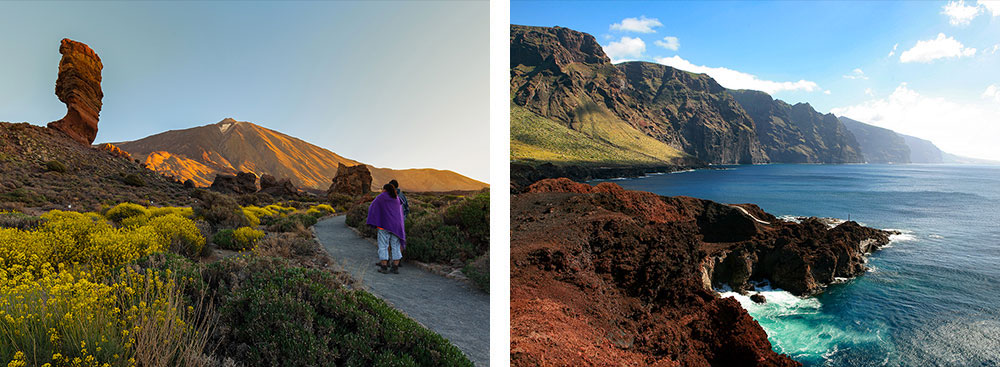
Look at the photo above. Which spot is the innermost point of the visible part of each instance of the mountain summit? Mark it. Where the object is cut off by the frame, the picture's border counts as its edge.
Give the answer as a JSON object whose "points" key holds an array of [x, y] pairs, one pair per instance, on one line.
{"points": [[231, 146]]}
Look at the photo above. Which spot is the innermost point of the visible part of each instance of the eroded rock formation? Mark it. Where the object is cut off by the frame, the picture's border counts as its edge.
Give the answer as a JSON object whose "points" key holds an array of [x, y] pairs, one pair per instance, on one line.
{"points": [[241, 183], [607, 276], [79, 87], [352, 181], [277, 188]]}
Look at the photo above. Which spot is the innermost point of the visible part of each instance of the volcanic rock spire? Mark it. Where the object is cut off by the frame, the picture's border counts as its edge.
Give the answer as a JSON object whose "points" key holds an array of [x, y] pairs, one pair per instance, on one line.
{"points": [[79, 87]]}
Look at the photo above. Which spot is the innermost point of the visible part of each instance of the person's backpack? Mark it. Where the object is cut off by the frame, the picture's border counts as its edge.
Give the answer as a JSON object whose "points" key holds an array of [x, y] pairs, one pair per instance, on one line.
{"points": [[404, 202]]}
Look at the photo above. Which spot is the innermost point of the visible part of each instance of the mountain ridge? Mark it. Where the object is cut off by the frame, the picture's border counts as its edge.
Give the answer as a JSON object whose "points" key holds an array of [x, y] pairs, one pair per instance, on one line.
{"points": [[230, 146], [563, 75]]}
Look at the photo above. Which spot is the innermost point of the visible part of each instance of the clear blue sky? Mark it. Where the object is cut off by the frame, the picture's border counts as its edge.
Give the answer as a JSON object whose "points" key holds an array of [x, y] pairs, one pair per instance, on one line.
{"points": [[395, 84], [931, 86]]}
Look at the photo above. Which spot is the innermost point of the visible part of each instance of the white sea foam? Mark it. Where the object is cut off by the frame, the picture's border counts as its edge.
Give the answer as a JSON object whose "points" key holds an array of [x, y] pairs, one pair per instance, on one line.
{"points": [[935, 236], [903, 236], [682, 171], [795, 325]]}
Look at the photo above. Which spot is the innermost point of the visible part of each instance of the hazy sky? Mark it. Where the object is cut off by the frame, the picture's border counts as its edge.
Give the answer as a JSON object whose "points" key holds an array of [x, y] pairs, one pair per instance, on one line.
{"points": [[398, 84], [925, 68]]}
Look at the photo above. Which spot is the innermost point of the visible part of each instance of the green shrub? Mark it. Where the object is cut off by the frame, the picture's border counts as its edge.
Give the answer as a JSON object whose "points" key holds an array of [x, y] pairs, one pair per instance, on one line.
{"points": [[472, 215], [55, 166], [134, 180], [357, 216], [292, 223], [184, 236], [428, 239], [224, 239], [126, 210], [219, 210], [340, 201], [276, 314], [478, 272]]}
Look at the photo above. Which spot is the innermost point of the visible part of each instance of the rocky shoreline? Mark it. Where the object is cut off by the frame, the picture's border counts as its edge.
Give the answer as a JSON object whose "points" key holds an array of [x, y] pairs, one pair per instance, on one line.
{"points": [[524, 174], [608, 276]]}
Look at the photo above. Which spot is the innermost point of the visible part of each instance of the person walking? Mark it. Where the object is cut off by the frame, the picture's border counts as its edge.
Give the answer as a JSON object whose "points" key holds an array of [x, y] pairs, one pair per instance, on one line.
{"points": [[402, 198], [386, 214]]}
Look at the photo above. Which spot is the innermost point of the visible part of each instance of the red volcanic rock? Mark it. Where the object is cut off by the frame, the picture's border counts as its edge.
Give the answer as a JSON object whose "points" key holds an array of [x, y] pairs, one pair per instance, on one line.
{"points": [[605, 276], [79, 87], [352, 181]]}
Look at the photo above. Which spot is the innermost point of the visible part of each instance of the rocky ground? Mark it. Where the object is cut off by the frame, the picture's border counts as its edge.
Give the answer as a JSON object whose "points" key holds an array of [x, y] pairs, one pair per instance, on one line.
{"points": [[46, 168], [605, 276]]}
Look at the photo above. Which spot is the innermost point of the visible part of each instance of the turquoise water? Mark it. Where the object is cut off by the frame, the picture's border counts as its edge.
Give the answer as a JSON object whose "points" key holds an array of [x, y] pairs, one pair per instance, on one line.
{"points": [[931, 298]]}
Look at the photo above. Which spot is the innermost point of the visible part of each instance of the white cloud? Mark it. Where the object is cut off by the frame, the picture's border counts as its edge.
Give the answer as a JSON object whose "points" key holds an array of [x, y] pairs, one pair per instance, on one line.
{"points": [[963, 128], [670, 43], [994, 49], [893, 52], [733, 79], [856, 74], [992, 92], [869, 92], [638, 25], [960, 14], [993, 6], [938, 48], [625, 49], [827, 92]]}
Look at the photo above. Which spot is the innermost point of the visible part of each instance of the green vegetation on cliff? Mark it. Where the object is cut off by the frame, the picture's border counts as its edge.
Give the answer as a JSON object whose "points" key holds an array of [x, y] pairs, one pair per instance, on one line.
{"points": [[599, 139]]}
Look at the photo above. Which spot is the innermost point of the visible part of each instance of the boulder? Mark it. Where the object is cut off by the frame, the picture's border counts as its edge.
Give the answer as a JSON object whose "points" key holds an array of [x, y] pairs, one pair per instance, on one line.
{"points": [[352, 181], [758, 298], [241, 183], [277, 188], [79, 87]]}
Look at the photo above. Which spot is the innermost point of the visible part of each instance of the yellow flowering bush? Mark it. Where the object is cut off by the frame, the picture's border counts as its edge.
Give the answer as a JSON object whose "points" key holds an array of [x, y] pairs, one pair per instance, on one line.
{"points": [[247, 236], [68, 296], [320, 210], [126, 210]]}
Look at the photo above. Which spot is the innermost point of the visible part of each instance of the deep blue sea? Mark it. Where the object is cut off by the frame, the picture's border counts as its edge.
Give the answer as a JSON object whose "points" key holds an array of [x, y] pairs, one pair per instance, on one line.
{"points": [[932, 298]]}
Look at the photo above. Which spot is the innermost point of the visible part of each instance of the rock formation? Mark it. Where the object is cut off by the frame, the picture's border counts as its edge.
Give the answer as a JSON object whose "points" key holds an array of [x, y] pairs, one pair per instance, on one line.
{"points": [[272, 186], [114, 150], [241, 183], [79, 87], [352, 181], [608, 276]]}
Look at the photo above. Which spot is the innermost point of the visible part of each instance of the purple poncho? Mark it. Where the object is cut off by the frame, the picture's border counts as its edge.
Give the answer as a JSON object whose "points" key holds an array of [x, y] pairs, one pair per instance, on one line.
{"points": [[387, 213]]}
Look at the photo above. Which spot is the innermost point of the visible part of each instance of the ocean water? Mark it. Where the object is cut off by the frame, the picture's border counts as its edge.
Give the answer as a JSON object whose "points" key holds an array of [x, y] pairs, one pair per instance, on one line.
{"points": [[932, 298]]}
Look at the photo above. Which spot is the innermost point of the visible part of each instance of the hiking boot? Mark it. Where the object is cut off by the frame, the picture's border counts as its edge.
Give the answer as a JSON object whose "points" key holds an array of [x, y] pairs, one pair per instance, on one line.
{"points": [[395, 269], [383, 269]]}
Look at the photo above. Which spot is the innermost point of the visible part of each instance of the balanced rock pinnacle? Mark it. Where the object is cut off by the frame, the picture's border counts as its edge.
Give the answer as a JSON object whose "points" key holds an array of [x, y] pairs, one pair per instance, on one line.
{"points": [[79, 87]]}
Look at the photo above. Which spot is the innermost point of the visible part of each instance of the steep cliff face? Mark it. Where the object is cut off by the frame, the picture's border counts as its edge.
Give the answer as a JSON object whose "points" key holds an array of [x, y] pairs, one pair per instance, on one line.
{"points": [[605, 276], [692, 111], [878, 145], [564, 75], [797, 133], [923, 151], [79, 87]]}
